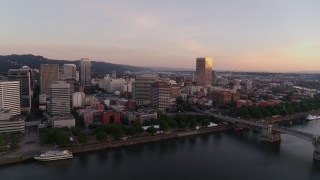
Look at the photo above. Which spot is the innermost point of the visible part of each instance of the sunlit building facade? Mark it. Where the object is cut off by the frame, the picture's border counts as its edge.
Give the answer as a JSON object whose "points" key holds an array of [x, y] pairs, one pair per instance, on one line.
{"points": [[204, 71]]}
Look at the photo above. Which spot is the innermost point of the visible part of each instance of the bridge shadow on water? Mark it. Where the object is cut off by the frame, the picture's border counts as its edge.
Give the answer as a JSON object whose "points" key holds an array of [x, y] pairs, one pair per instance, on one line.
{"points": [[252, 138], [315, 169]]}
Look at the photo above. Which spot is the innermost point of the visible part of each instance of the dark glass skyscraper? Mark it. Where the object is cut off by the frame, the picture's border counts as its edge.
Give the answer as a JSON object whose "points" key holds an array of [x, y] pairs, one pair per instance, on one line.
{"points": [[24, 77]]}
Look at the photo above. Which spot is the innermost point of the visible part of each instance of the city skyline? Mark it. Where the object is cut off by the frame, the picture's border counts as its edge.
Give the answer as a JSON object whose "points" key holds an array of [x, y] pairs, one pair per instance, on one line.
{"points": [[274, 36]]}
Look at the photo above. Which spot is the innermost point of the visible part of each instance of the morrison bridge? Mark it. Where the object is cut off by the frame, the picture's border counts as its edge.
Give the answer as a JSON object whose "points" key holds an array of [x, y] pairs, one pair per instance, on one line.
{"points": [[271, 132]]}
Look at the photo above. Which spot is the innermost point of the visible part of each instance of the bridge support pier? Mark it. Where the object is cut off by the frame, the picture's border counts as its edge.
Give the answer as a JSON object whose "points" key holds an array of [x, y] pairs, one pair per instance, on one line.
{"points": [[269, 136], [316, 144]]}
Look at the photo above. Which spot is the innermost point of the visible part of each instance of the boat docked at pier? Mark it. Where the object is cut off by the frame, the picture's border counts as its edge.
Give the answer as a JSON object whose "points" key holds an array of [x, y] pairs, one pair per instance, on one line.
{"points": [[312, 117], [54, 155]]}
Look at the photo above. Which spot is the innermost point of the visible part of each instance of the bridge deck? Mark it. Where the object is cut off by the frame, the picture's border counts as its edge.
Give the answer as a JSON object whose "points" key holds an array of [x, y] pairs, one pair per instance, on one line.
{"points": [[303, 135]]}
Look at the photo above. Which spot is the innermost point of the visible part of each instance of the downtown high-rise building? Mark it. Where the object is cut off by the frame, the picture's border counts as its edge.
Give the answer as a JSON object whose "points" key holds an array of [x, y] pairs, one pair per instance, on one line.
{"points": [[48, 74], [24, 77], [204, 71], [59, 98], [161, 95], [32, 74], [10, 96], [10, 124], [142, 88], [85, 72], [69, 75], [69, 71], [249, 85]]}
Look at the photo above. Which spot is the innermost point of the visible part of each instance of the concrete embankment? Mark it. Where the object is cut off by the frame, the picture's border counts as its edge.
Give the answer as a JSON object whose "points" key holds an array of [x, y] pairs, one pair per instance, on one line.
{"points": [[145, 139], [12, 160]]}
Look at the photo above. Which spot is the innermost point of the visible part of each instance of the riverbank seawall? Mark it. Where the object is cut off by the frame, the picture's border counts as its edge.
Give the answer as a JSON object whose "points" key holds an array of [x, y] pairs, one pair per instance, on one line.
{"points": [[145, 139]]}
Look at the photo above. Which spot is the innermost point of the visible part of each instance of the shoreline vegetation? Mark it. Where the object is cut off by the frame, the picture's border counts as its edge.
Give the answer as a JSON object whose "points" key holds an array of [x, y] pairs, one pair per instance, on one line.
{"points": [[89, 147]]}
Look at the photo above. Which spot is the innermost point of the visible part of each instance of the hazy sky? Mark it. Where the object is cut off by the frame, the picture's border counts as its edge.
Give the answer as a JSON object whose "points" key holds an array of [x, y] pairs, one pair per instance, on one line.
{"points": [[267, 35]]}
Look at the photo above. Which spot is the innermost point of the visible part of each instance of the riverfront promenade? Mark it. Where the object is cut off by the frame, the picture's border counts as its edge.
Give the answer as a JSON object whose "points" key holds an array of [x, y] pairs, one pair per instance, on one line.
{"points": [[30, 145]]}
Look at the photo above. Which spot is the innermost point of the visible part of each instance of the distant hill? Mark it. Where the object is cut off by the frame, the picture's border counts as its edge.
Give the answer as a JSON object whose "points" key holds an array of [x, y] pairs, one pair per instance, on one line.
{"points": [[16, 61], [308, 72], [170, 69]]}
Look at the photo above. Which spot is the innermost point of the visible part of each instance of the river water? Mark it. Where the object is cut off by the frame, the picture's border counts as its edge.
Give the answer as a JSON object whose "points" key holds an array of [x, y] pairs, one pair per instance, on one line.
{"points": [[228, 155]]}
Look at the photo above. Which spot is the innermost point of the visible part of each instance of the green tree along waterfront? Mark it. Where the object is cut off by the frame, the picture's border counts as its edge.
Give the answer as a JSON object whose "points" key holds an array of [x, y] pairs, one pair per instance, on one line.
{"points": [[284, 108], [151, 130], [182, 105], [9, 141], [15, 139], [79, 119], [2, 141], [82, 137], [101, 136], [117, 131], [164, 126], [54, 136], [76, 130]]}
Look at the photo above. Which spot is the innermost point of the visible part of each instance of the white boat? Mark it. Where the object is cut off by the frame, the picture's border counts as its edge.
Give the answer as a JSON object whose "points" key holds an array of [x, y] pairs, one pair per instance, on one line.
{"points": [[54, 155], [312, 117]]}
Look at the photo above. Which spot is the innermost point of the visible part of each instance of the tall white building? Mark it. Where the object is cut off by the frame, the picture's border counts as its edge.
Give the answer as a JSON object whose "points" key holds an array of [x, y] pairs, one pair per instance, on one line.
{"points": [[69, 71], [78, 99], [111, 85], [85, 72], [10, 96], [60, 98], [249, 85], [128, 86]]}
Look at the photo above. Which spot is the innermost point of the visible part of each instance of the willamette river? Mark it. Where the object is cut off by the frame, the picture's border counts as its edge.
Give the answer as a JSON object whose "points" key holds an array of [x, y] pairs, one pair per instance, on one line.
{"points": [[223, 156]]}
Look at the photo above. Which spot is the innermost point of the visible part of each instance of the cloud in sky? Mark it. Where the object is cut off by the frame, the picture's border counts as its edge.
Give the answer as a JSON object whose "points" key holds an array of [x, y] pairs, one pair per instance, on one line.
{"points": [[251, 35]]}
